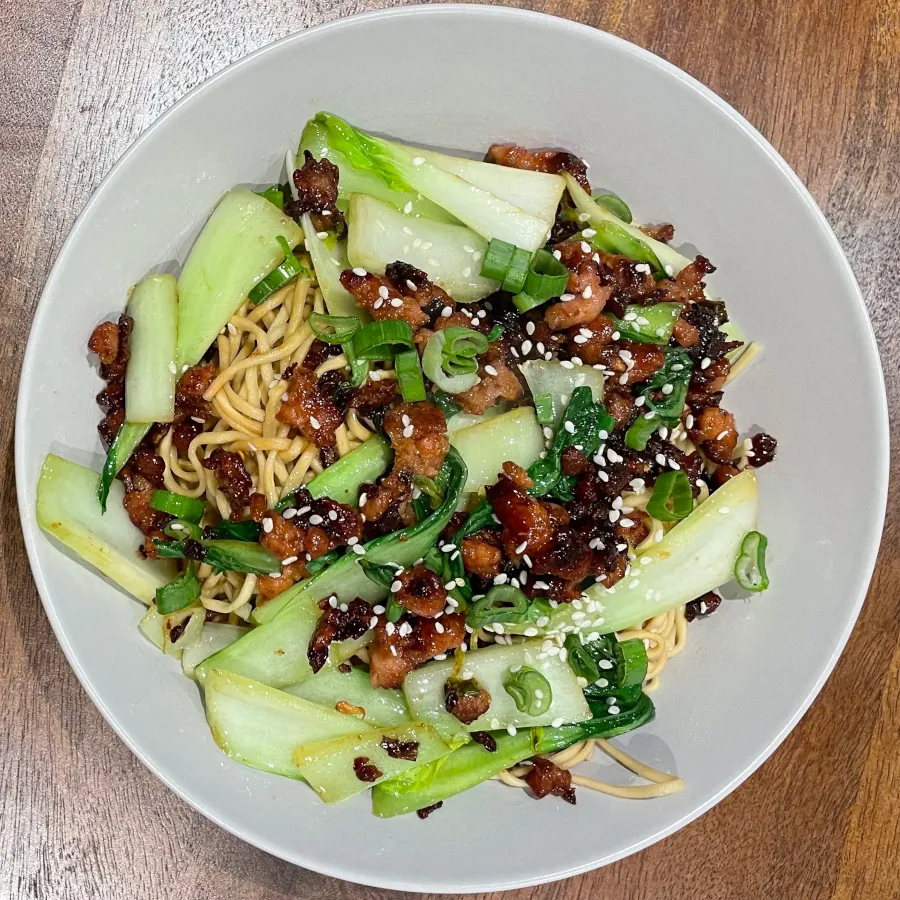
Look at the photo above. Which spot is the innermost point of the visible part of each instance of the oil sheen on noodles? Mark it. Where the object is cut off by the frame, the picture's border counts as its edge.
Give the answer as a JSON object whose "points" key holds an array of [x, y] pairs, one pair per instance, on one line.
{"points": [[252, 353]]}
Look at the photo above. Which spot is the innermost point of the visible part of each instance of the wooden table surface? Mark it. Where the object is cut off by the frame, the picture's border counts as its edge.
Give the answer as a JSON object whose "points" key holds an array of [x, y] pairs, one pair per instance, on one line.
{"points": [[80, 817]]}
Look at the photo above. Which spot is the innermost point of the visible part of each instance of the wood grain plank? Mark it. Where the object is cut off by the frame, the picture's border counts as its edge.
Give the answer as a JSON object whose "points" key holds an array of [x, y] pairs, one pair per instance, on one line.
{"points": [[820, 79]]}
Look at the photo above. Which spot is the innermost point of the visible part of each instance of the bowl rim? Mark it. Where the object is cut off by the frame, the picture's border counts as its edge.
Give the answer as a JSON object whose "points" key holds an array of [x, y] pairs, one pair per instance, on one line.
{"points": [[880, 436]]}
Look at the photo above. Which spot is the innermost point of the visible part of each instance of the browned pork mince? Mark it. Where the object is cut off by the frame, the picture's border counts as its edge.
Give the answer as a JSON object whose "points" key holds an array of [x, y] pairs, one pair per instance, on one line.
{"points": [[317, 192]]}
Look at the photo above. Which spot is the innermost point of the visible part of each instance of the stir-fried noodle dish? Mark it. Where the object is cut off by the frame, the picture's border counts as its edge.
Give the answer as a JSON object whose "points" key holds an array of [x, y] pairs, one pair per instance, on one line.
{"points": [[423, 469]]}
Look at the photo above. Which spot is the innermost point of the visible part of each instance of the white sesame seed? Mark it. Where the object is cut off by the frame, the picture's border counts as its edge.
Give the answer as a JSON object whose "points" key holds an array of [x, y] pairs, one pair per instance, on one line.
{"points": [[408, 431], [383, 292], [231, 329], [673, 464], [446, 312], [605, 664], [396, 303], [177, 526], [614, 515], [393, 650], [705, 362], [316, 520], [529, 327], [521, 548], [660, 458], [626, 523], [667, 388], [268, 525], [378, 610], [565, 298], [557, 254], [490, 370], [566, 364], [289, 561], [722, 434], [303, 510], [358, 548], [569, 426], [526, 346], [353, 540], [360, 271], [689, 421], [390, 627], [587, 293], [613, 710], [585, 247], [580, 339]]}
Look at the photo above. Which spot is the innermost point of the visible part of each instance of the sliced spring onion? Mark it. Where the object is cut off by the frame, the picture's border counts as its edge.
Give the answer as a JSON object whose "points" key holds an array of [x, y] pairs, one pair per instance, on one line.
{"points": [[359, 368], [531, 692], [287, 271], [179, 593], [409, 375], [546, 277], [433, 365], [382, 340], [523, 302], [543, 406], [180, 529], [614, 204], [580, 659], [505, 603], [639, 432], [517, 271], [631, 663], [612, 238], [497, 259], [495, 333], [675, 487], [649, 324], [750, 568], [188, 508], [461, 346], [333, 329]]}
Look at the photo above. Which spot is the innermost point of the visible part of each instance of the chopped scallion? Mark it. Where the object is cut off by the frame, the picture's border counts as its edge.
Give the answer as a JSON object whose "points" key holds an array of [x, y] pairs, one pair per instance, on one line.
{"points": [[333, 329], [750, 568], [382, 340], [674, 487], [409, 375]]}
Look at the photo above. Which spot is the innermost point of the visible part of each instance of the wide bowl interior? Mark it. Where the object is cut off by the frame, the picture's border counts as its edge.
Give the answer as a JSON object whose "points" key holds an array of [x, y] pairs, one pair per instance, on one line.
{"points": [[461, 78]]}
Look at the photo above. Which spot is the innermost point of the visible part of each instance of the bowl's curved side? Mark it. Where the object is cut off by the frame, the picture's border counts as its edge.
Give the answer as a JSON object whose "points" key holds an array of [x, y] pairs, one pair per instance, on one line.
{"points": [[227, 128]]}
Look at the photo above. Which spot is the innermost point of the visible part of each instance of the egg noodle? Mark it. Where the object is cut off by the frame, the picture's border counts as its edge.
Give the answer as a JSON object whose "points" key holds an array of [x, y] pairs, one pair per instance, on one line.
{"points": [[252, 353]]}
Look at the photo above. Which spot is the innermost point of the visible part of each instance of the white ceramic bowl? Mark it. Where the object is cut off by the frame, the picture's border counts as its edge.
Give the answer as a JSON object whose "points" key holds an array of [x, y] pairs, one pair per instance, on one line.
{"points": [[461, 77]]}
